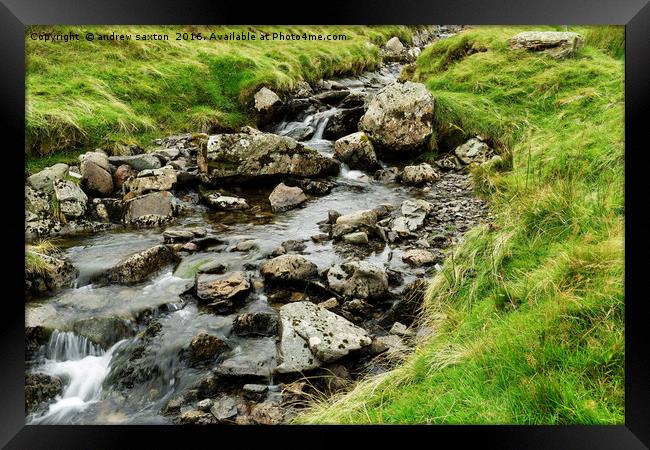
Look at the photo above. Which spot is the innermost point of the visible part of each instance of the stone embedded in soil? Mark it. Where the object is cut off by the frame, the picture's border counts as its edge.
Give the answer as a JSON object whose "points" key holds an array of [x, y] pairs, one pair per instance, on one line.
{"points": [[400, 329], [557, 44], [140, 266], [358, 279], [473, 151], [417, 257], [420, 174], [288, 268], [266, 414], [284, 198], [328, 335]]}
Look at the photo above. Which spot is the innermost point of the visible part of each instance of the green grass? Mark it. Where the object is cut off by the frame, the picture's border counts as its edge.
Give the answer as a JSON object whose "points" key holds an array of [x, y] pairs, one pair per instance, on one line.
{"points": [[528, 315], [82, 95], [34, 261]]}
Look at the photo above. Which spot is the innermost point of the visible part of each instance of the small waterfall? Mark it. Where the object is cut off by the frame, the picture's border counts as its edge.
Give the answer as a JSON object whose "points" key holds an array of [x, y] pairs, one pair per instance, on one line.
{"points": [[82, 366], [67, 346]]}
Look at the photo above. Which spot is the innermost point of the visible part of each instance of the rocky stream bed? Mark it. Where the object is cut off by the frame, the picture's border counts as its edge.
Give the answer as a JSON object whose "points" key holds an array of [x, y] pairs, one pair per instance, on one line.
{"points": [[228, 277]]}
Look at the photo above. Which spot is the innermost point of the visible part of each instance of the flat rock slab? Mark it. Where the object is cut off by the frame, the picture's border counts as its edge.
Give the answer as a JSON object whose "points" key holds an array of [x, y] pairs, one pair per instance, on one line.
{"points": [[554, 43], [328, 335]]}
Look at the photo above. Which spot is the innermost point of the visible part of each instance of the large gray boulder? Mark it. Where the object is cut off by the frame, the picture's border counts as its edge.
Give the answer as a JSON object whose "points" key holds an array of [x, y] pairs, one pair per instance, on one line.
{"points": [[328, 335], [358, 279], [139, 266], [151, 209], [44, 180], [356, 151], [96, 173], [288, 268], [252, 154], [293, 352], [72, 200], [557, 44], [162, 179], [284, 197], [399, 119]]}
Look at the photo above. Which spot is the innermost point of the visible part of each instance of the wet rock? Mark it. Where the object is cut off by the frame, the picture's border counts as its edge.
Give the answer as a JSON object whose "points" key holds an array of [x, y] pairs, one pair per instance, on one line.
{"points": [[399, 119], [418, 258], [104, 331], [332, 97], [245, 246], [293, 352], [224, 409], [343, 123], [392, 345], [312, 187], [266, 414], [195, 417], [394, 50], [320, 238], [44, 180], [356, 151], [358, 238], [420, 174], [96, 174], [364, 220], [206, 346], [255, 391], [302, 89], [358, 279], [40, 389], [554, 43], [54, 274], [389, 175], [213, 267], [288, 268], [329, 336], [145, 161], [290, 246], [267, 104], [357, 306], [299, 133], [284, 198], [140, 266], [162, 179], [172, 235], [257, 324], [246, 156], [222, 291], [251, 358], [354, 100], [224, 202], [151, 209], [472, 151], [72, 200]]}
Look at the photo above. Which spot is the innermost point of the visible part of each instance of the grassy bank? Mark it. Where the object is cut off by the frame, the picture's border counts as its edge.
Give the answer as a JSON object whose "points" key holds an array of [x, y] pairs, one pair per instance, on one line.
{"points": [[81, 94], [528, 313]]}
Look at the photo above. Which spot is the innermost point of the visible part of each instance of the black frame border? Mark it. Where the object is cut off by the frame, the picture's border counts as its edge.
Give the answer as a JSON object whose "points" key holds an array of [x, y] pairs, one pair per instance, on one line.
{"points": [[635, 14]]}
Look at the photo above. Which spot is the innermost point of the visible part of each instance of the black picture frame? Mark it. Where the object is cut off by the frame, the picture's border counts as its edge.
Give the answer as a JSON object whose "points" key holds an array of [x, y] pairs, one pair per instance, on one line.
{"points": [[634, 14]]}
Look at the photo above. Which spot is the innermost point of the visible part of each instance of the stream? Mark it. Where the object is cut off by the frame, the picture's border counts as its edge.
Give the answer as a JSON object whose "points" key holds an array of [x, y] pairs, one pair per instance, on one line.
{"points": [[91, 396]]}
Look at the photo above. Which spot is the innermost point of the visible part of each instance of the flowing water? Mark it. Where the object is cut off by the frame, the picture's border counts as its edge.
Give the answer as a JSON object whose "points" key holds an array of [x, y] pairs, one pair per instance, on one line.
{"points": [[87, 396]]}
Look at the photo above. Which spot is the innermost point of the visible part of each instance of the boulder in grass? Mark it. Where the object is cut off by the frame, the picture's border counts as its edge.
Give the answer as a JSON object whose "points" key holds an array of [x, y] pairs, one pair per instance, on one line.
{"points": [[558, 44]]}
